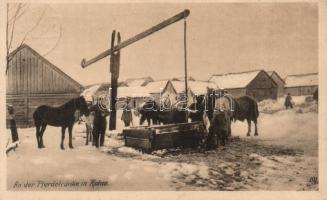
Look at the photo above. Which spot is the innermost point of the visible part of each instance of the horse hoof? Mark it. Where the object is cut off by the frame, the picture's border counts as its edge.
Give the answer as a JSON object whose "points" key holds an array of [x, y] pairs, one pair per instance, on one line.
{"points": [[247, 135], [256, 134], [71, 147], [62, 147]]}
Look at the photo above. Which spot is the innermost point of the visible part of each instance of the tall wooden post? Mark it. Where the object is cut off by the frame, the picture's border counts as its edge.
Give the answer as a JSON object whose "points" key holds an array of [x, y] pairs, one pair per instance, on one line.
{"points": [[185, 67], [114, 70]]}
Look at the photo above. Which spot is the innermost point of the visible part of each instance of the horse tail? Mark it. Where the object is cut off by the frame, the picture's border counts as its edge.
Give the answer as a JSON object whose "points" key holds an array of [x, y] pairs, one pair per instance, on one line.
{"points": [[254, 110]]}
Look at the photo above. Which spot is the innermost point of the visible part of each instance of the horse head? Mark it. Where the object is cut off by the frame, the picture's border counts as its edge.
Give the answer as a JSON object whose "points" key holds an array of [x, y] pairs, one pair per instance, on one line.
{"points": [[82, 106]]}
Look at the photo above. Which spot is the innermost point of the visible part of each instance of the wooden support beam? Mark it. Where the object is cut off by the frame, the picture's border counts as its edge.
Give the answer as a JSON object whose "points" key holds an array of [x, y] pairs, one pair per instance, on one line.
{"points": [[136, 38]]}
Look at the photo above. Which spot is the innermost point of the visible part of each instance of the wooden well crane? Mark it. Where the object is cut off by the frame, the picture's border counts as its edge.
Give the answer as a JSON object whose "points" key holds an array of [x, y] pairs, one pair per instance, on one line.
{"points": [[114, 53]]}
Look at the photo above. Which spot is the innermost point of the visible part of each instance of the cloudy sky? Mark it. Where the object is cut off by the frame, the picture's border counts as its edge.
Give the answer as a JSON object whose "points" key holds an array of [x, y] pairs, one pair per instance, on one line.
{"points": [[221, 38]]}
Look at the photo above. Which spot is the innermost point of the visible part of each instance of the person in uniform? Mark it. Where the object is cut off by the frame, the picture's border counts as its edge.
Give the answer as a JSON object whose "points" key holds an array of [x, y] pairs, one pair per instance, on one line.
{"points": [[12, 121], [99, 125], [288, 101], [220, 123], [127, 116]]}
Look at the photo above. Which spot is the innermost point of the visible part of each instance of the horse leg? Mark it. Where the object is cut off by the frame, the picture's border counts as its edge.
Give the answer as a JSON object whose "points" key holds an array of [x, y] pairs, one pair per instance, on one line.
{"points": [[249, 127], [255, 128], [41, 135], [149, 121], [37, 127], [70, 130], [63, 130], [87, 134]]}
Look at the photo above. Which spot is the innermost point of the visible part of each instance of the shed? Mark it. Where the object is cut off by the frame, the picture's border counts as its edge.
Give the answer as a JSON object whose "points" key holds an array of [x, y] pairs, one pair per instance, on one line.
{"points": [[32, 81], [279, 81], [257, 84], [301, 84]]}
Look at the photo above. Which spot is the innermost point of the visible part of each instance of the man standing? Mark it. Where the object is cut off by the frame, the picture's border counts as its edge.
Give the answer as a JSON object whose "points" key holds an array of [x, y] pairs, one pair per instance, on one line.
{"points": [[13, 127], [127, 116], [288, 101], [99, 125]]}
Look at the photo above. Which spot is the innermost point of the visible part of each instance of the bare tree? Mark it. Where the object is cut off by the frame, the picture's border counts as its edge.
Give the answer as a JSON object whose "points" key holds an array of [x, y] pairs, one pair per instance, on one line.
{"points": [[16, 12]]}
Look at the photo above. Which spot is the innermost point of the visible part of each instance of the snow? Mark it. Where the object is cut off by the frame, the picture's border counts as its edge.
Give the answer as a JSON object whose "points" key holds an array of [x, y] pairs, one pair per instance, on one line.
{"points": [[301, 80], [244, 164], [234, 80], [136, 91], [200, 87], [90, 92], [156, 86]]}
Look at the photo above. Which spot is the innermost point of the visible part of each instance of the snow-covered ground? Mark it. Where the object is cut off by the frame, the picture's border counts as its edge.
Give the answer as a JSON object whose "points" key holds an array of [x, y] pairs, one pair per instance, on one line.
{"points": [[283, 157]]}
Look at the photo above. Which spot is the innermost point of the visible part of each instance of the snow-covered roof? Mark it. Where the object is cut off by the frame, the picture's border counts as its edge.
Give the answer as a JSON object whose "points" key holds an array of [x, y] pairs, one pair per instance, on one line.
{"points": [[137, 91], [138, 81], [234, 80], [301, 80], [156, 86], [121, 92], [200, 87], [182, 78], [197, 87], [90, 92]]}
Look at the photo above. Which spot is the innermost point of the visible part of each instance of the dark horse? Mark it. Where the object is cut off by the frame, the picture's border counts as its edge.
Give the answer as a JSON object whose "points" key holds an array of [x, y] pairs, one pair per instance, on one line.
{"points": [[62, 116], [150, 110], [242, 108]]}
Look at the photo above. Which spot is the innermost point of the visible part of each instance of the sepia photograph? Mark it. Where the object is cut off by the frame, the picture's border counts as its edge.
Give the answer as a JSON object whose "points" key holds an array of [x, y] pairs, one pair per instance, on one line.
{"points": [[185, 96]]}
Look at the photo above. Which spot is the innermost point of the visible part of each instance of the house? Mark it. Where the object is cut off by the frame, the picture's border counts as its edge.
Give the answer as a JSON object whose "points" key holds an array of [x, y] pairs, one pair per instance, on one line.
{"points": [[161, 90], [279, 81], [102, 92], [32, 81], [257, 84], [131, 82], [301, 84]]}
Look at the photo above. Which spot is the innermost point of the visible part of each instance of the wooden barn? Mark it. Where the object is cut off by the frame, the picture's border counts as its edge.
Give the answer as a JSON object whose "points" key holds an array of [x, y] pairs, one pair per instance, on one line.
{"points": [[279, 81], [301, 84], [257, 84], [33, 81]]}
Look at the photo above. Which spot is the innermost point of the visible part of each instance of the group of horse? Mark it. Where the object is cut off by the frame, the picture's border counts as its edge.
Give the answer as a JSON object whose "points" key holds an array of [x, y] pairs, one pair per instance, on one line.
{"points": [[243, 108]]}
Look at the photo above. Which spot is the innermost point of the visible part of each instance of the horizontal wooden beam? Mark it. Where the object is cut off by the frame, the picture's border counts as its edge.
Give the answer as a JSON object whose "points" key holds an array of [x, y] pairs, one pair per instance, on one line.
{"points": [[137, 37]]}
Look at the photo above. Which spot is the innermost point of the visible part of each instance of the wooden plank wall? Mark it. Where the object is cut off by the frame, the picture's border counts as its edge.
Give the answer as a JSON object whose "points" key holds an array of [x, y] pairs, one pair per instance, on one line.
{"points": [[29, 73], [24, 117]]}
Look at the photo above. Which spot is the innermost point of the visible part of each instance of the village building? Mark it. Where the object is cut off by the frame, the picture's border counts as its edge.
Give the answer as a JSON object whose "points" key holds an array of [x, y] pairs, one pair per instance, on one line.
{"points": [[33, 81], [162, 91], [101, 92], [301, 84], [257, 84], [279, 81], [132, 82]]}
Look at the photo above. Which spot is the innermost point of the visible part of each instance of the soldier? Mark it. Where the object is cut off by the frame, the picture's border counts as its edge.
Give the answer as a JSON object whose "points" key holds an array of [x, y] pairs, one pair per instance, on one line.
{"points": [[288, 101], [127, 116], [99, 125], [13, 127], [220, 124]]}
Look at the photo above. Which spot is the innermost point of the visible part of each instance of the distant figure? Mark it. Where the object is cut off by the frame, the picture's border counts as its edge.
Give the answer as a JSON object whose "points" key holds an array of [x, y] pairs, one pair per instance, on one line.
{"points": [[13, 127], [288, 101], [127, 116], [99, 125], [315, 96]]}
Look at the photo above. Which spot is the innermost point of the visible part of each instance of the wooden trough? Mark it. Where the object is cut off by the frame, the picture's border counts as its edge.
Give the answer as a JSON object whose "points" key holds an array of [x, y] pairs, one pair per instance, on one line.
{"points": [[149, 138]]}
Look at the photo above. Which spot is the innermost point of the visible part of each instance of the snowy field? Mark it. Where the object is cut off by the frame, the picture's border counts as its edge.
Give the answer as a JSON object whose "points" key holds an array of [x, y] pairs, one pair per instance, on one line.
{"points": [[283, 157]]}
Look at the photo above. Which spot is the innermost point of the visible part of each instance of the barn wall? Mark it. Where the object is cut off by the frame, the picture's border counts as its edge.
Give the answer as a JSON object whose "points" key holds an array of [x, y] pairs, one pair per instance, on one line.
{"points": [[237, 92], [24, 113], [280, 85], [262, 87], [32, 81], [29, 73], [301, 90]]}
